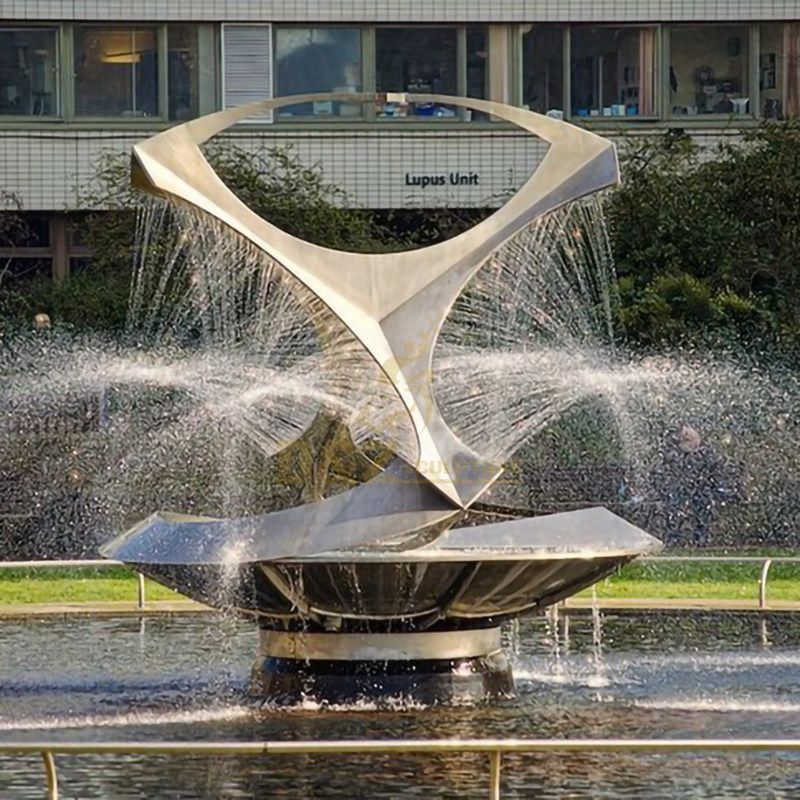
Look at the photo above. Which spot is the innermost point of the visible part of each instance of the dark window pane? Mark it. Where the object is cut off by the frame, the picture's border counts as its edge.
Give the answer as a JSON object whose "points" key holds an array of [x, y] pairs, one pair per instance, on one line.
{"points": [[477, 63], [418, 60], [543, 68], [25, 269], [28, 72], [309, 60], [116, 72], [25, 230], [183, 68], [613, 71], [708, 70], [772, 72]]}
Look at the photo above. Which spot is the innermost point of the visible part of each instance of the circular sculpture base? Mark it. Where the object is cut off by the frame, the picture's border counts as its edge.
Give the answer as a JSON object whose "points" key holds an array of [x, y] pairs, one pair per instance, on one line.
{"points": [[384, 669]]}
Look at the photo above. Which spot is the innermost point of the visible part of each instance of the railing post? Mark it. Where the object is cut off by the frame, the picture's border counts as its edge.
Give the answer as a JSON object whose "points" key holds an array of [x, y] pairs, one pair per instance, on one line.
{"points": [[52, 777], [140, 579], [494, 775], [762, 583]]}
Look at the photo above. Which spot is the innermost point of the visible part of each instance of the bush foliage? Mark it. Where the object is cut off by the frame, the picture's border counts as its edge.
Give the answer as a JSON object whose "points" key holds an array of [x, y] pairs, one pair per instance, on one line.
{"points": [[704, 242], [709, 241]]}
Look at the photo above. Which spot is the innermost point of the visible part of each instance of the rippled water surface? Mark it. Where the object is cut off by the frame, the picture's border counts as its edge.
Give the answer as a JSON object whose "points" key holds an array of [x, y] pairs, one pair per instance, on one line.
{"points": [[666, 675]]}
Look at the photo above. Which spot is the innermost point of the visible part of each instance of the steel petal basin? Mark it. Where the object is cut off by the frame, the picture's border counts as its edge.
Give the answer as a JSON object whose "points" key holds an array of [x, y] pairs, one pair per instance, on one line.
{"points": [[487, 571]]}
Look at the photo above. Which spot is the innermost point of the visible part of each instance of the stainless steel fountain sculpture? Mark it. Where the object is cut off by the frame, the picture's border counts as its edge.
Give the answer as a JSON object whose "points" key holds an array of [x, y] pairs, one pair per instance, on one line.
{"points": [[373, 591]]}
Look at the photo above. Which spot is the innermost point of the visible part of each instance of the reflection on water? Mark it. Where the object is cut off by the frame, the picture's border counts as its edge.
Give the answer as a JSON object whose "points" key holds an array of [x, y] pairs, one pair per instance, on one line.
{"points": [[680, 675]]}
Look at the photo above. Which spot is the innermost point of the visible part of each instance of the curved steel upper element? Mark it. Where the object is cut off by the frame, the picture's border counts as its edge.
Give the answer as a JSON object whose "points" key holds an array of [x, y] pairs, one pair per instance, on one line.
{"points": [[393, 303], [394, 504]]}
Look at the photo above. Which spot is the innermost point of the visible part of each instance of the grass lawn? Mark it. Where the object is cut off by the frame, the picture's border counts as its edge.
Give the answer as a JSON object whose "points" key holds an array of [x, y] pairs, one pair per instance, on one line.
{"points": [[727, 581], [721, 581], [76, 586]]}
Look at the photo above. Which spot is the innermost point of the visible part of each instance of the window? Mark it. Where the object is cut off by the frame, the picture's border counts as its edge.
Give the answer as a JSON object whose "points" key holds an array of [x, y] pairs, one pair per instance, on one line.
{"points": [[612, 71], [708, 70], [247, 66], [773, 74], [477, 62], [26, 253], [183, 68], [309, 60], [116, 72], [478, 71], [543, 68], [28, 72], [790, 68], [417, 60]]}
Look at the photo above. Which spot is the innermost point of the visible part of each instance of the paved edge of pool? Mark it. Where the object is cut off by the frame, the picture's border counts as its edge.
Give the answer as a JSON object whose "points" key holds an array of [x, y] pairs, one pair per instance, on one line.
{"points": [[179, 607]]}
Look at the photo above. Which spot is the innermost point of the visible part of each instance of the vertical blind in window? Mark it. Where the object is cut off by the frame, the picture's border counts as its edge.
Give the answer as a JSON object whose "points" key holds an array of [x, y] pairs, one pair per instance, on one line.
{"points": [[247, 66]]}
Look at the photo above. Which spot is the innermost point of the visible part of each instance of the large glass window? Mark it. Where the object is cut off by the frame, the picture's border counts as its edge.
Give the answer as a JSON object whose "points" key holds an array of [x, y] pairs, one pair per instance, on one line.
{"points": [[543, 68], [708, 70], [183, 66], [612, 71], [116, 72], [417, 60], [28, 72], [309, 60]]}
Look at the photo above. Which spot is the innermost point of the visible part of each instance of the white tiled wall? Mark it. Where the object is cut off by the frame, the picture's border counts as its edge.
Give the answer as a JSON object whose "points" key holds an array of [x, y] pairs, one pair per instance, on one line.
{"points": [[401, 10], [51, 171]]}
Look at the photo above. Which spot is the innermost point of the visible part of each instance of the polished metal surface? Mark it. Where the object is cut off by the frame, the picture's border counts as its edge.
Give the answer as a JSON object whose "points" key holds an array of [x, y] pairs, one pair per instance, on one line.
{"points": [[500, 569], [391, 747], [586, 533], [437, 590], [394, 506], [380, 646], [393, 303], [374, 563]]}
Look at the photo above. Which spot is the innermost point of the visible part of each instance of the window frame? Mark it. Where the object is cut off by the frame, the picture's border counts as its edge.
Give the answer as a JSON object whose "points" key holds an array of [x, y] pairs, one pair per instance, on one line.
{"points": [[367, 75], [518, 65], [209, 85], [57, 76], [658, 68], [162, 78], [368, 116], [204, 43], [752, 32], [460, 29]]}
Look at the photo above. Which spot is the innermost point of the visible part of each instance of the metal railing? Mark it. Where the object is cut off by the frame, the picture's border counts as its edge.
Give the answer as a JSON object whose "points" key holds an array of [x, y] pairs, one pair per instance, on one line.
{"points": [[77, 563], [766, 563], [494, 748]]}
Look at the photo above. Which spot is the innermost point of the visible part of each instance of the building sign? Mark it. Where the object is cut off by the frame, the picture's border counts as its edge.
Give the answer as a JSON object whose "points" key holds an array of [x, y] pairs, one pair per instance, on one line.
{"points": [[443, 179]]}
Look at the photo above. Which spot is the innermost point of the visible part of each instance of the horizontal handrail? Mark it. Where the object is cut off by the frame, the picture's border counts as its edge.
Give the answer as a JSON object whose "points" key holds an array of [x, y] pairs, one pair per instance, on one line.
{"points": [[386, 746], [495, 748], [66, 563], [725, 559], [766, 563], [70, 563]]}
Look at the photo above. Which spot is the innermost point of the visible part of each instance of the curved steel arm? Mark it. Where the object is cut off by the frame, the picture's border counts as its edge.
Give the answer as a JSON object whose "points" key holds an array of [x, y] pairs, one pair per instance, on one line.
{"points": [[393, 303]]}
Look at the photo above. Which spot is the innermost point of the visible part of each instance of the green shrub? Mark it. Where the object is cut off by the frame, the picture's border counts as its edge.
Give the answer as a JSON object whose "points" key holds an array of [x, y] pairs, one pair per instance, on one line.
{"points": [[709, 241], [86, 302]]}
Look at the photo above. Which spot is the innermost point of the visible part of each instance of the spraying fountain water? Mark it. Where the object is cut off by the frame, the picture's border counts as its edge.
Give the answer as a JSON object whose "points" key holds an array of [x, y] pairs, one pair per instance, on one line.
{"points": [[373, 591], [356, 598]]}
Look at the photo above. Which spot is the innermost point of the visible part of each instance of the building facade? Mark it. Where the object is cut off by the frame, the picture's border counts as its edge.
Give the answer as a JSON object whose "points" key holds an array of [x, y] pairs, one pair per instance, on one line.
{"points": [[79, 78]]}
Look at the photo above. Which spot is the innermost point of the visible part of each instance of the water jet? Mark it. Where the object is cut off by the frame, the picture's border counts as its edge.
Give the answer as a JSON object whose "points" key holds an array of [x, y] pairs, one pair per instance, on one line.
{"points": [[388, 588]]}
